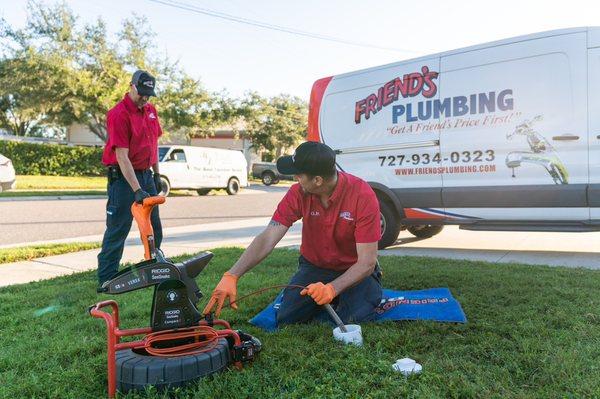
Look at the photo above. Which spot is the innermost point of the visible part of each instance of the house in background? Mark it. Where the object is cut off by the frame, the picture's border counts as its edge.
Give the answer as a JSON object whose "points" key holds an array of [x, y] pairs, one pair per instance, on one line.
{"points": [[78, 134]]}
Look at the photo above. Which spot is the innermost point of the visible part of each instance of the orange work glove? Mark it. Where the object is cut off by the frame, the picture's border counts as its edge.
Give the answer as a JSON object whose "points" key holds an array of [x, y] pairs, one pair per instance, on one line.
{"points": [[321, 293], [227, 288]]}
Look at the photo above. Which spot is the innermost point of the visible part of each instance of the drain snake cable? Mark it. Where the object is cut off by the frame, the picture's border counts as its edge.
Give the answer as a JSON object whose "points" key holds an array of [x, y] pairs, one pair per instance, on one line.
{"points": [[194, 340]]}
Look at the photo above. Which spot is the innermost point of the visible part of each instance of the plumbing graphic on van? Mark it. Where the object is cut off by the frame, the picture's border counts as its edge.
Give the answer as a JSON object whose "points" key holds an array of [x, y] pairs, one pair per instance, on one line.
{"points": [[542, 153]]}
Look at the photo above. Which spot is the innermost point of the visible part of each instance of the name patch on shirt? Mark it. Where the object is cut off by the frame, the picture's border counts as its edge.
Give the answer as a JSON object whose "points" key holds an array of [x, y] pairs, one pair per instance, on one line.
{"points": [[346, 215]]}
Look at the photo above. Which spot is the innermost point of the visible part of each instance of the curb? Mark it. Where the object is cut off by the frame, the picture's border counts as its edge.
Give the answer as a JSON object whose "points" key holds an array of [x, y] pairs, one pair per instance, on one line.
{"points": [[52, 198]]}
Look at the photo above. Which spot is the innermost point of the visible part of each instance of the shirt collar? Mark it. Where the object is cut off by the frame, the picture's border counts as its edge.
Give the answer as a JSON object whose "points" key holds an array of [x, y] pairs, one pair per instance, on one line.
{"points": [[339, 187], [130, 105]]}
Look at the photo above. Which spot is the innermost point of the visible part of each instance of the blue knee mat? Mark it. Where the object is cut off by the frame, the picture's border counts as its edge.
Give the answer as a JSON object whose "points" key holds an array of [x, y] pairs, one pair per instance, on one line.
{"points": [[432, 304]]}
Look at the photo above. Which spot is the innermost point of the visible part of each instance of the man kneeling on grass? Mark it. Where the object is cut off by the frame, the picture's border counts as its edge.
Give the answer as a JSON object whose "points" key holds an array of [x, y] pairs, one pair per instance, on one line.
{"points": [[338, 255]]}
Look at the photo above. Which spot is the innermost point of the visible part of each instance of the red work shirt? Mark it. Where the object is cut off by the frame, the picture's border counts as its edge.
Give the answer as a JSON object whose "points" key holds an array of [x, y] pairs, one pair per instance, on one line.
{"points": [[329, 236], [133, 128]]}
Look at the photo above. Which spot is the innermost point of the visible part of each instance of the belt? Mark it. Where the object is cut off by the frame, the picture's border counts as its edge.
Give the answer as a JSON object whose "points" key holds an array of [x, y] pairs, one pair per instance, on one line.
{"points": [[113, 172], [116, 168]]}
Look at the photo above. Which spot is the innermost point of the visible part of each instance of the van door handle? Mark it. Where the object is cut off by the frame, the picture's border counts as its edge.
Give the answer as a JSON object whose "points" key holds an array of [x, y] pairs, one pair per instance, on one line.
{"points": [[565, 137]]}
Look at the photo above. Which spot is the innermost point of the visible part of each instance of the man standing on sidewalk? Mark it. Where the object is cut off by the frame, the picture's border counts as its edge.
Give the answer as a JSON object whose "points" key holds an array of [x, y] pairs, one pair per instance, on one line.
{"points": [[338, 255], [131, 150]]}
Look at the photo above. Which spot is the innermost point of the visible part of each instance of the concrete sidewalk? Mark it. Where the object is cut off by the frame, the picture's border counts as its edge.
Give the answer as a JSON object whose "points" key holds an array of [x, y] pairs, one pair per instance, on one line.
{"points": [[177, 241]]}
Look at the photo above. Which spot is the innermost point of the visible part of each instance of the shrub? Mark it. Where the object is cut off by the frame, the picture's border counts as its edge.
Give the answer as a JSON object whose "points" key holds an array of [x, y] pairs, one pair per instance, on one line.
{"points": [[53, 159]]}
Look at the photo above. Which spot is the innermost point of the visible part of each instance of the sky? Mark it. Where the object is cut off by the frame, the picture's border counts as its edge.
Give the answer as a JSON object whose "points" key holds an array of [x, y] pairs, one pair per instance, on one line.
{"points": [[238, 58]]}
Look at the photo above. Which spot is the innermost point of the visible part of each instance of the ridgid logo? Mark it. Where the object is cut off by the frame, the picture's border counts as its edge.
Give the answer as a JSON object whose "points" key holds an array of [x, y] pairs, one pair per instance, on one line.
{"points": [[410, 85]]}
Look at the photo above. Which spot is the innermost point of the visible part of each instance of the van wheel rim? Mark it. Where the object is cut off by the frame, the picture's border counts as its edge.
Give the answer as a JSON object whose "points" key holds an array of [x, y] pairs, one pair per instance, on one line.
{"points": [[382, 223], [164, 187]]}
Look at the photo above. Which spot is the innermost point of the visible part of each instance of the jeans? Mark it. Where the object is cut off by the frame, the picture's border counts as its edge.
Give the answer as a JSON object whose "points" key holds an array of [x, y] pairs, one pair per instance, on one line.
{"points": [[354, 305], [118, 222]]}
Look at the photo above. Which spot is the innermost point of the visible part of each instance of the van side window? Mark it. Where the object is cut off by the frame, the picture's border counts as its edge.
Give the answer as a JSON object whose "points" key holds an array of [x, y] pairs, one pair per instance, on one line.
{"points": [[177, 156]]}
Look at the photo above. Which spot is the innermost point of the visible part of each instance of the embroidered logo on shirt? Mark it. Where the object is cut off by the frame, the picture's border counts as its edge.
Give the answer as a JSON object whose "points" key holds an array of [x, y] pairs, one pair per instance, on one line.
{"points": [[315, 213], [346, 215], [151, 115]]}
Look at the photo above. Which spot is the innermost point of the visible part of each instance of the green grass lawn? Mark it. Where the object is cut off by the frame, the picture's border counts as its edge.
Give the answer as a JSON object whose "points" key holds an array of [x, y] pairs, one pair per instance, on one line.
{"points": [[8, 255], [533, 332], [51, 186], [34, 183]]}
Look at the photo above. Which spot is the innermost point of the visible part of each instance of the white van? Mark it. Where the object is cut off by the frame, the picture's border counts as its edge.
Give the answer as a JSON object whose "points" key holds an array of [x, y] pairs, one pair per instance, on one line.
{"points": [[7, 174], [201, 169], [499, 136]]}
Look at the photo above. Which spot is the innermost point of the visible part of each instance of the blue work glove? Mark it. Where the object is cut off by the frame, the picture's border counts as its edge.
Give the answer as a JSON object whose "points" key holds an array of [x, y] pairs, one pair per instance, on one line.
{"points": [[140, 195]]}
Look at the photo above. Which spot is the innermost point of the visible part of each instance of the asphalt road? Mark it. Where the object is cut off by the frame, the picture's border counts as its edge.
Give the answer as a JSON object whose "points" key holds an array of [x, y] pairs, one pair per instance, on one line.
{"points": [[39, 220]]}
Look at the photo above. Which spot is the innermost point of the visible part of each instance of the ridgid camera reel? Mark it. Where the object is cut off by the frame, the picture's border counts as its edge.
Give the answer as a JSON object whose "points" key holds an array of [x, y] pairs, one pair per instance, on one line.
{"points": [[180, 345]]}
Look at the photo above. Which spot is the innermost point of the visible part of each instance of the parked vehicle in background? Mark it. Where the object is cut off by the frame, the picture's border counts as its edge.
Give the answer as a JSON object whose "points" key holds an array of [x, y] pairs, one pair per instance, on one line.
{"points": [[500, 136], [7, 174], [268, 173], [201, 169]]}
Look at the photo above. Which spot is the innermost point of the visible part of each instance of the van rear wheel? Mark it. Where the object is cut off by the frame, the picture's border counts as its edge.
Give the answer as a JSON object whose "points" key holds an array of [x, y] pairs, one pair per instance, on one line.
{"points": [[165, 186], [390, 226], [233, 186], [425, 230]]}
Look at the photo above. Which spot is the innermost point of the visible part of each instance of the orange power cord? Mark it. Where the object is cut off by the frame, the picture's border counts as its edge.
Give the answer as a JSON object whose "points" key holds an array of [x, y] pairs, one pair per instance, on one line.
{"points": [[204, 338]]}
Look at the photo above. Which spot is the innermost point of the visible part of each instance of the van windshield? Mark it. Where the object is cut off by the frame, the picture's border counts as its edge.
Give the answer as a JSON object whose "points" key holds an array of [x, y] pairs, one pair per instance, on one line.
{"points": [[162, 151]]}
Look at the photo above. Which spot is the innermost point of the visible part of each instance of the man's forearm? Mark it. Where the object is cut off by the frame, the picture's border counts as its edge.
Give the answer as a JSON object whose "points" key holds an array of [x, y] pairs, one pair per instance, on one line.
{"points": [[253, 255], [127, 170], [155, 168], [355, 274]]}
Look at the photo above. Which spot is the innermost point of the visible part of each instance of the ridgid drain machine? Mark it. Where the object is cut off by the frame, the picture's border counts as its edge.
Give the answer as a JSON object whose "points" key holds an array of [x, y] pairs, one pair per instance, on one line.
{"points": [[180, 345]]}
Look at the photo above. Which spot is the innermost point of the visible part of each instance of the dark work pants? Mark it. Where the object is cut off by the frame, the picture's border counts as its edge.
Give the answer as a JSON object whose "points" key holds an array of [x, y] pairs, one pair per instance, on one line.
{"points": [[354, 305], [118, 222]]}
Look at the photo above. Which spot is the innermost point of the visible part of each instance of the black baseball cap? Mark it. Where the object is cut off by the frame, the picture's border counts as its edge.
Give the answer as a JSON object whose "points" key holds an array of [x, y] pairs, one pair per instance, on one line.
{"points": [[144, 83], [311, 157]]}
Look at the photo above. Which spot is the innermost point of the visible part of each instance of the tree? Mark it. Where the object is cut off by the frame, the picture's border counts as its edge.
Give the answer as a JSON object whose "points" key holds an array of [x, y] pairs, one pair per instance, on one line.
{"points": [[89, 74], [20, 107], [274, 124], [85, 70], [56, 71], [187, 109], [32, 91]]}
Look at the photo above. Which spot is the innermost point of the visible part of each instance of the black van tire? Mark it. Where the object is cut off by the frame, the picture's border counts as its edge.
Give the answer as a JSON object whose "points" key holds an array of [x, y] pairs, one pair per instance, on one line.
{"points": [[137, 371], [203, 191], [233, 186], [425, 231], [390, 225], [268, 178], [165, 185]]}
